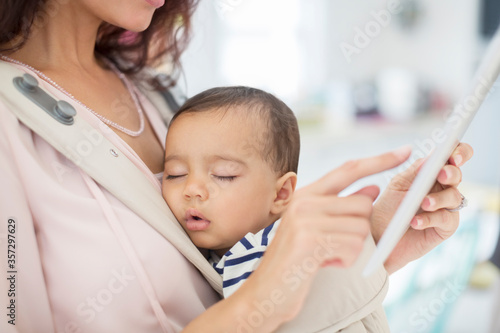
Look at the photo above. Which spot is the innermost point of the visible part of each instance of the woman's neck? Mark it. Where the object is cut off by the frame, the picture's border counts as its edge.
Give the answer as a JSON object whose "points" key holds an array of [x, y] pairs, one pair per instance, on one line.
{"points": [[62, 37]]}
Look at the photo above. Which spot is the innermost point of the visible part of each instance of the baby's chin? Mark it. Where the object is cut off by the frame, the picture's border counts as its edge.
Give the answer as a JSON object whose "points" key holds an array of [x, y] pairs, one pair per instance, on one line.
{"points": [[201, 241], [205, 245]]}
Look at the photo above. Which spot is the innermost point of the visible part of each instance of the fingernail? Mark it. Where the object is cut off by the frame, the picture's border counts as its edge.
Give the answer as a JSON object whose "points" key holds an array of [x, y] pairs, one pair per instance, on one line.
{"points": [[442, 174], [429, 202], [416, 222], [457, 160], [402, 152]]}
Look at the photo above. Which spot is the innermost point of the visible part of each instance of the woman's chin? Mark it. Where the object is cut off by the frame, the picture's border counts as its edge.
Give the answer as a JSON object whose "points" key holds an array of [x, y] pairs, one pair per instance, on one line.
{"points": [[138, 23]]}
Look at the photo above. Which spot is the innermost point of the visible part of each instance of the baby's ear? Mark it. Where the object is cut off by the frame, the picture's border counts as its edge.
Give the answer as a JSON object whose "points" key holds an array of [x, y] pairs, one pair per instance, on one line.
{"points": [[285, 186]]}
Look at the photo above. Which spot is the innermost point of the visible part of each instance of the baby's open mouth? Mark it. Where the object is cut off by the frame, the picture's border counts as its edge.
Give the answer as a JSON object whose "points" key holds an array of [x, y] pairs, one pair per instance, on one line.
{"points": [[195, 221]]}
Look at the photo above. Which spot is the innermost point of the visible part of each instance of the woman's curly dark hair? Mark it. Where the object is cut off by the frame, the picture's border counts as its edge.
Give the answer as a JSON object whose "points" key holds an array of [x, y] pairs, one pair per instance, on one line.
{"points": [[167, 35]]}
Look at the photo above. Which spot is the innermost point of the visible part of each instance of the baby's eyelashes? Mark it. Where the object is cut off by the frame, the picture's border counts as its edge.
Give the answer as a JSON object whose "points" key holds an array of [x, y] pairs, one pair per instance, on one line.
{"points": [[217, 177], [225, 178], [171, 177]]}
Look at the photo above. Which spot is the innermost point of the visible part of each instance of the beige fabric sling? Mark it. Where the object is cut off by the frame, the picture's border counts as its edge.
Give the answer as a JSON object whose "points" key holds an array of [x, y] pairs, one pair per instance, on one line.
{"points": [[340, 299]]}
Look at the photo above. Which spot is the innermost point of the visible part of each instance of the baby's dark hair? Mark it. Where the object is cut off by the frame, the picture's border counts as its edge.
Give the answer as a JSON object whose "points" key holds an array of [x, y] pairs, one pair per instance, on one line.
{"points": [[279, 144]]}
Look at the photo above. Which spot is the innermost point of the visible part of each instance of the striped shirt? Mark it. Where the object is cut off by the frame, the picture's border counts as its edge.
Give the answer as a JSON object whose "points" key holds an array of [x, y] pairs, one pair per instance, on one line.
{"points": [[242, 259]]}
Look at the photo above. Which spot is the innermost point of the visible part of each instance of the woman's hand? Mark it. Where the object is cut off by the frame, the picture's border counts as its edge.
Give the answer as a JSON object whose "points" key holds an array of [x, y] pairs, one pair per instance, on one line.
{"points": [[319, 228], [433, 223]]}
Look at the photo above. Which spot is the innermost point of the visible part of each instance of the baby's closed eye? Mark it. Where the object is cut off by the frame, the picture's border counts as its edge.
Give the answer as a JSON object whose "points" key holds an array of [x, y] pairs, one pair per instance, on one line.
{"points": [[225, 178]]}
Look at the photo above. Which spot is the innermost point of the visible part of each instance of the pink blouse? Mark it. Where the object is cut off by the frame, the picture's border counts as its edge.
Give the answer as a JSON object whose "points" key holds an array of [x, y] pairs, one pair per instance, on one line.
{"points": [[100, 267]]}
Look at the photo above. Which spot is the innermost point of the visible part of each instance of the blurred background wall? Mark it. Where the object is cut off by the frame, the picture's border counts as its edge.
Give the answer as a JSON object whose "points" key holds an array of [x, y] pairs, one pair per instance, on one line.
{"points": [[339, 63]]}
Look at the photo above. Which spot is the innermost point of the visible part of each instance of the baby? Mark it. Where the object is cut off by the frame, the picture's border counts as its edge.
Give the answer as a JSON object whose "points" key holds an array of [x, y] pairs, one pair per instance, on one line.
{"points": [[230, 171]]}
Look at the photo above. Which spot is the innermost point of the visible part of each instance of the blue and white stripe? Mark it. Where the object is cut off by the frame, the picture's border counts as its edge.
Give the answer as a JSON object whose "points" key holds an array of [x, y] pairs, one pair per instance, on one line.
{"points": [[242, 259]]}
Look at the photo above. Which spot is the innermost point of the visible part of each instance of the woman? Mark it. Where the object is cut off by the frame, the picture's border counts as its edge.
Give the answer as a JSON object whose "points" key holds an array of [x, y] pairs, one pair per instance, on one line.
{"points": [[100, 266]]}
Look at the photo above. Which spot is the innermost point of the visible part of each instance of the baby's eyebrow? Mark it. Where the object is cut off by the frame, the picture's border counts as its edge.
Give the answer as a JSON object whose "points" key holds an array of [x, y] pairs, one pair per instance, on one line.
{"points": [[229, 158], [172, 157]]}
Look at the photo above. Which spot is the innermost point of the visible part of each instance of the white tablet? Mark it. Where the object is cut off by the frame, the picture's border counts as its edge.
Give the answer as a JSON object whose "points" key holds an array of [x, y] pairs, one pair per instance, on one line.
{"points": [[454, 128]]}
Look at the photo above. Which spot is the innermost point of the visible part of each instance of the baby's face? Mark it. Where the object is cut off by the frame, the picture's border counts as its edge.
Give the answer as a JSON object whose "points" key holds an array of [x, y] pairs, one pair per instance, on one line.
{"points": [[216, 182]]}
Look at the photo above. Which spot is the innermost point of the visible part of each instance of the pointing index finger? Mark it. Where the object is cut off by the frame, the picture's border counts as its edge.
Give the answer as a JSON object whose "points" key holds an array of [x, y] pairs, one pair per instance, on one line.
{"points": [[351, 171]]}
